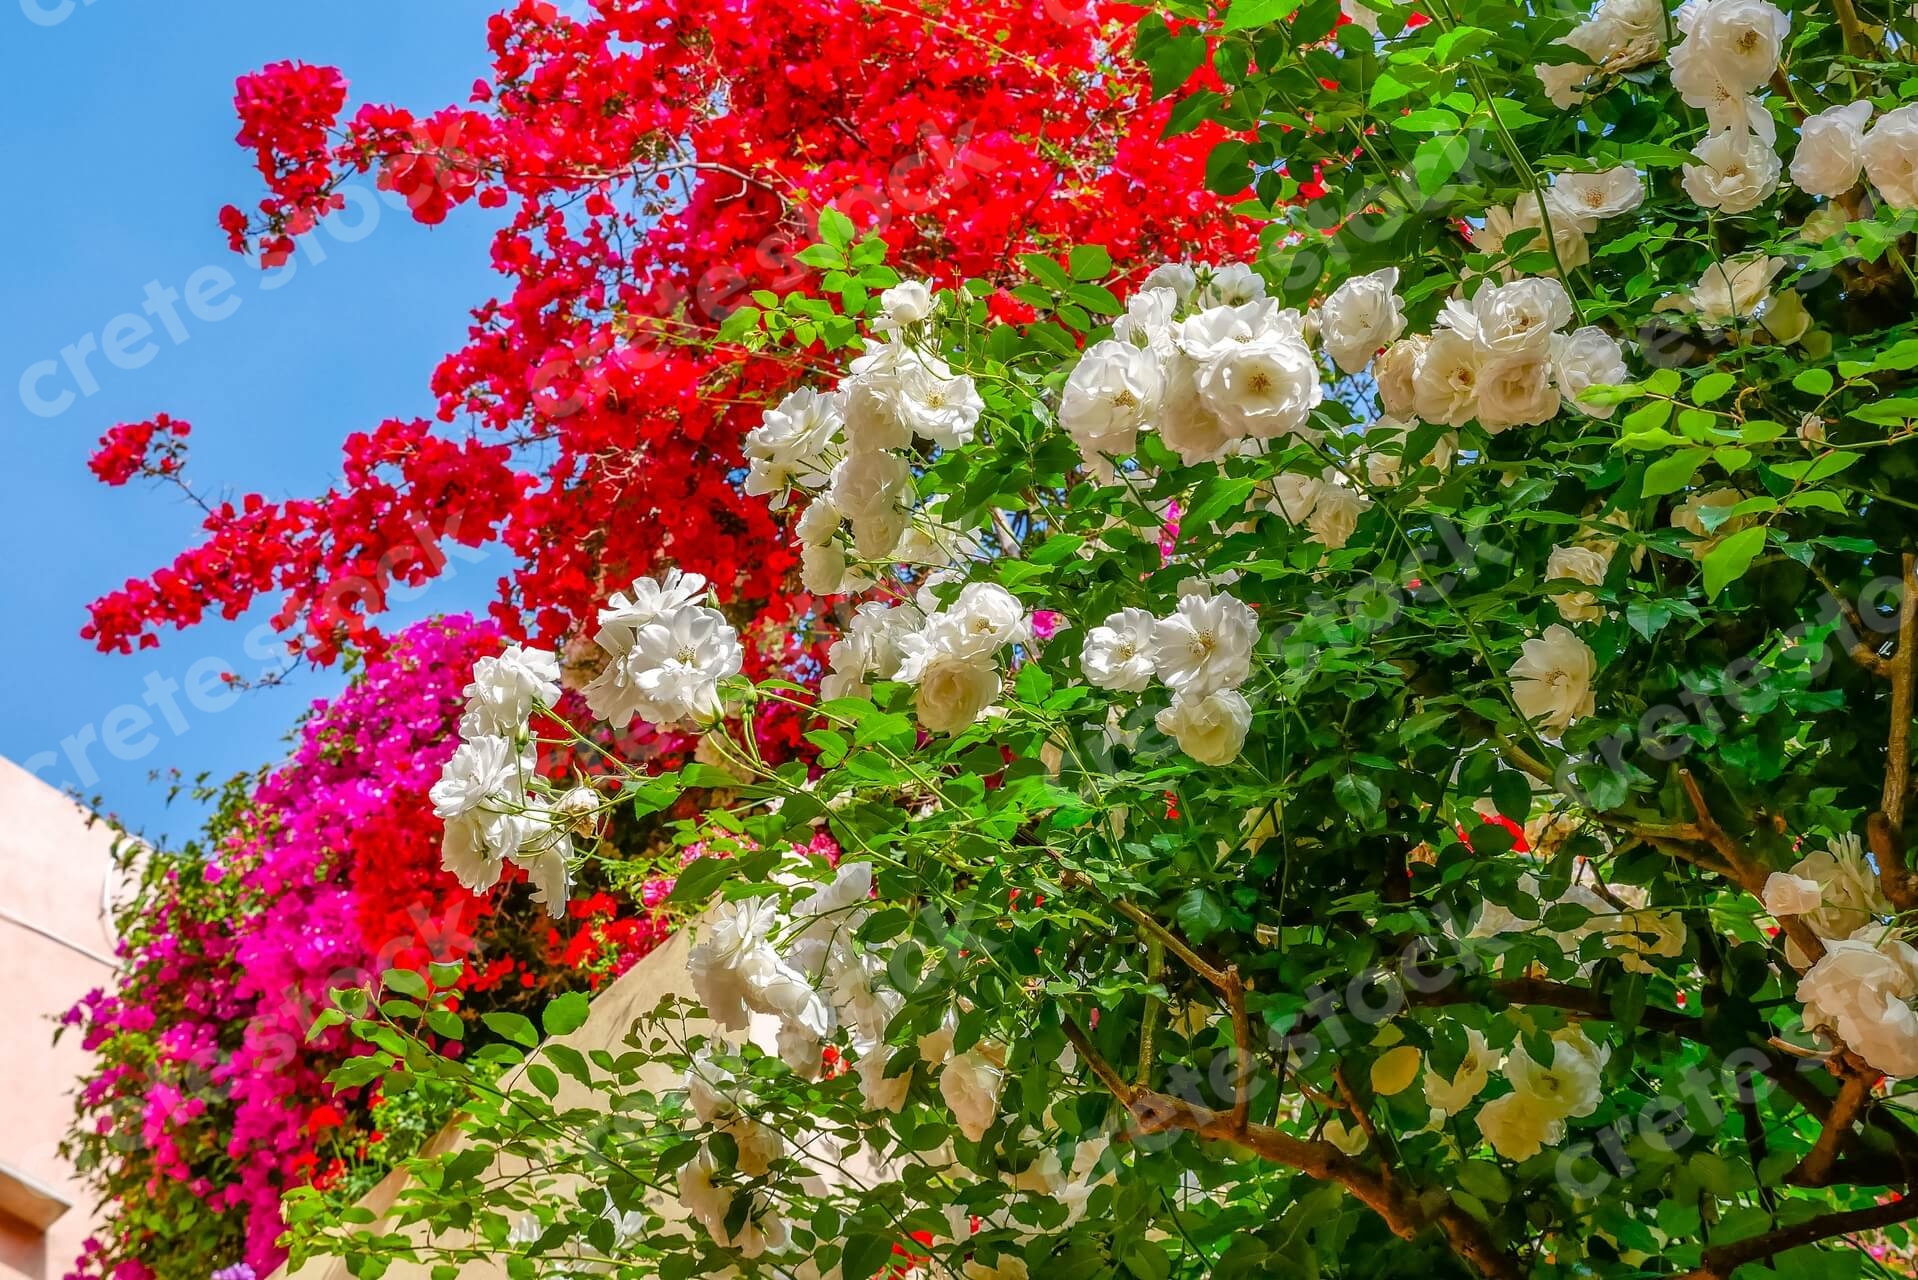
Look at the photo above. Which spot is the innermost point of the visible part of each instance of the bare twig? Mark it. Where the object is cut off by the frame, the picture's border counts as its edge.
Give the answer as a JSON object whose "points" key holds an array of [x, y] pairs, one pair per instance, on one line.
{"points": [[1904, 675]]}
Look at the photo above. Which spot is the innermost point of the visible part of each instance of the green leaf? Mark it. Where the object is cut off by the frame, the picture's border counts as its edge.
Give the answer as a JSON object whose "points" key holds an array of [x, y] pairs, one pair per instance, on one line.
{"points": [[1241, 15], [1089, 262], [406, 982], [565, 1014], [1712, 387], [1670, 474], [1047, 270], [511, 1026], [835, 228], [1727, 562], [1356, 795], [1199, 913], [1813, 382]]}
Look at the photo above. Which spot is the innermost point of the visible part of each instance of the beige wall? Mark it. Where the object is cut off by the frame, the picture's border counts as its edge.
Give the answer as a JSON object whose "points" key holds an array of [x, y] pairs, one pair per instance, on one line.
{"points": [[55, 946]]}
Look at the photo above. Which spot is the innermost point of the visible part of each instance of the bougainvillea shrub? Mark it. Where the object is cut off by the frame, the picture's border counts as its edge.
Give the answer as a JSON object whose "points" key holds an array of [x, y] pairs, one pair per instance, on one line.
{"points": [[659, 163], [208, 1101]]}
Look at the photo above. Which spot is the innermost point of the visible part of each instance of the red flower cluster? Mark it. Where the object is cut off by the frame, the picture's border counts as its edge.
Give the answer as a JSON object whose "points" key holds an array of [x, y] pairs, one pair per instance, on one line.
{"points": [[155, 448], [661, 159]]}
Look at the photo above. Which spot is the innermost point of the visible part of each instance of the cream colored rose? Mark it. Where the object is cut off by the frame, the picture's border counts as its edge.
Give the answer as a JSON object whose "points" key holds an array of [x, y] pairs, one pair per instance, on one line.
{"points": [[1210, 729], [1831, 150], [1396, 372], [1891, 157], [1689, 516], [1446, 379], [1578, 564], [1862, 990], [954, 692], [1552, 680], [1588, 198], [1736, 172], [1515, 391]]}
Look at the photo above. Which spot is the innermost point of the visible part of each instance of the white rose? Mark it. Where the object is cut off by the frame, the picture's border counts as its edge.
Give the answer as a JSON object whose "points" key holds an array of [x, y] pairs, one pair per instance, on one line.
{"points": [[1736, 173], [871, 484], [1206, 644], [1396, 372], [1294, 496], [1361, 316], [1587, 198], [822, 568], [937, 406], [1335, 516], [1734, 289], [1862, 989], [1578, 564], [1148, 321], [1218, 329], [1445, 383], [970, 1084], [1563, 82], [1267, 387], [1689, 516], [1210, 729], [1567, 244], [990, 614], [1516, 390], [1513, 319], [1231, 285], [1738, 41], [954, 691], [789, 444], [1831, 150], [1186, 425], [907, 302], [1552, 680], [1891, 157], [818, 523], [1174, 277], [1474, 1072], [1121, 654], [1588, 357], [1790, 895], [1113, 391], [870, 416], [1850, 896]]}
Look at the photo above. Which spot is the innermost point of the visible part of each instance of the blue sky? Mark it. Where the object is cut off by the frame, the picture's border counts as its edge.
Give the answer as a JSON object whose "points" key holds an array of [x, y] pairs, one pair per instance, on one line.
{"points": [[119, 143]]}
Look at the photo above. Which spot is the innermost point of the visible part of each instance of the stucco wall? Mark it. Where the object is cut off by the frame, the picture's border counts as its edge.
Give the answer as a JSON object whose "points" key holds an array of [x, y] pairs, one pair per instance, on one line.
{"points": [[55, 946]]}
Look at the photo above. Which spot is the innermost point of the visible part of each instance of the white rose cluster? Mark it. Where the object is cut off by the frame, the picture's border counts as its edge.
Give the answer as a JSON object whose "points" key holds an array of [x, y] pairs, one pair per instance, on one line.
{"points": [[951, 656], [1502, 358], [803, 967], [494, 805], [848, 448], [1213, 366], [666, 654], [1202, 651], [1620, 35]]}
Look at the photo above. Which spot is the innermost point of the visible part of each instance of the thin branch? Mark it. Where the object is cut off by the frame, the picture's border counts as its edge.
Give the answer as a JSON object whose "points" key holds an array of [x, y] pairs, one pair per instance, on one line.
{"points": [[1720, 1262], [1745, 871]]}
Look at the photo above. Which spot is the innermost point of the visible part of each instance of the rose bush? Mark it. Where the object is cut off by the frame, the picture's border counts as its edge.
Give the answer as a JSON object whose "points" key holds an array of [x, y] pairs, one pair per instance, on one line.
{"points": [[1456, 821]]}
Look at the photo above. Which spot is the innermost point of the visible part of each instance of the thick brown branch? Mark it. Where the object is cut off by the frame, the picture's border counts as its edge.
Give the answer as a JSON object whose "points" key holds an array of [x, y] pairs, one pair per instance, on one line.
{"points": [[1894, 875], [1904, 676], [1815, 1169], [1857, 43], [1721, 1261]]}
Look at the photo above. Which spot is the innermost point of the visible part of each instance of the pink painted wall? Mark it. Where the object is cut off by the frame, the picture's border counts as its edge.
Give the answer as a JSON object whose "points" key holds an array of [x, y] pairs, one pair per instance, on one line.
{"points": [[55, 945]]}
